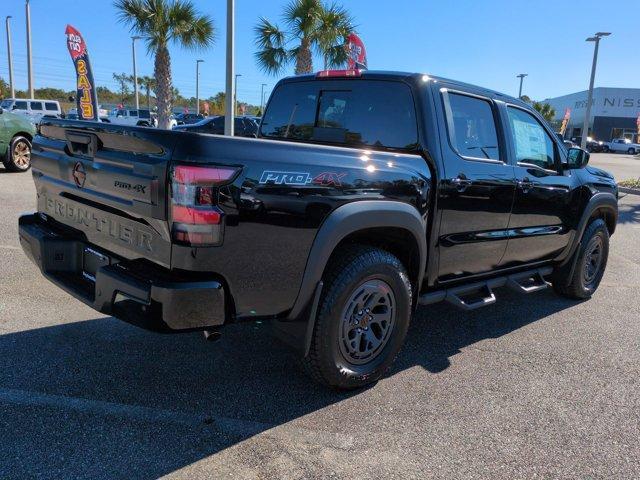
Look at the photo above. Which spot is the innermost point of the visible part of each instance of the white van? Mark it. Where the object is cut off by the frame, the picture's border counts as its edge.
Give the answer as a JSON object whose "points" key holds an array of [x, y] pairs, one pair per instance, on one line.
{"points": [[32, 107]]}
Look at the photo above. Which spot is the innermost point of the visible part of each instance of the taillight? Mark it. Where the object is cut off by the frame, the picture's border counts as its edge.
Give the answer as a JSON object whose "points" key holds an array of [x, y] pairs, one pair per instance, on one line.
{"points": [[339, 73], [197, 219]]}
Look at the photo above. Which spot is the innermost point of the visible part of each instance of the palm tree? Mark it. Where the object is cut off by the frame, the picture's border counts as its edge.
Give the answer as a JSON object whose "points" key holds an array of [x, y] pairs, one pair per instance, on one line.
{"points": [[546, 110], [313, 27], [123, 80], [148, 83], [162, 22]]}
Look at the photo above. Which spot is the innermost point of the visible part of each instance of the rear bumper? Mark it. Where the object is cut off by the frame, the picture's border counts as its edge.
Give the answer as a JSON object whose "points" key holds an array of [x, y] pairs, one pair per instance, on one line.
{"points": [[148, 297]]}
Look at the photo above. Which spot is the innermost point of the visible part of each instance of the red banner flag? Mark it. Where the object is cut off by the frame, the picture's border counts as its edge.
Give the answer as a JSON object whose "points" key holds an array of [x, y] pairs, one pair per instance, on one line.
{"points": [[357, 53], [86, 97]]}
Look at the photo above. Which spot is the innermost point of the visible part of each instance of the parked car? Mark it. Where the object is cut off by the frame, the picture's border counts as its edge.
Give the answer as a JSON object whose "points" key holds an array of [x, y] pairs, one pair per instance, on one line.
{"points": [[16, 134], [365, 195], [133, 117], [244, 127], [622, 145], [593, 145], [32, 107], [189, 118]]}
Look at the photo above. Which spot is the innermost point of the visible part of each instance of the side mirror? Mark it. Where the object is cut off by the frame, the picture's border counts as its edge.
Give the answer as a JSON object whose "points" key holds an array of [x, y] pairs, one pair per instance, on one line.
{"points": [[577, 158]]}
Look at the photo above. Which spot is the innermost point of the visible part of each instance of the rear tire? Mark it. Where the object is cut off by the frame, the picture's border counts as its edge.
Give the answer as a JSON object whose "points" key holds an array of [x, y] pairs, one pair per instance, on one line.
{"points": [[362, 319], [589, 266], [18, 157]]}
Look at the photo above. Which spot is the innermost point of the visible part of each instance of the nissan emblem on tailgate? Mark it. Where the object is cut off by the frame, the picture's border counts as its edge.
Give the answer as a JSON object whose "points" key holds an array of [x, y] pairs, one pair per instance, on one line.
{"points": [[79, 174]]}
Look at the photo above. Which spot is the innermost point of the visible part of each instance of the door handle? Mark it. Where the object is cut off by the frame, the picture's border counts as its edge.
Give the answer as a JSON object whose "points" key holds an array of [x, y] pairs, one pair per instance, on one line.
{"points": [[460, 183], [525, 185]]}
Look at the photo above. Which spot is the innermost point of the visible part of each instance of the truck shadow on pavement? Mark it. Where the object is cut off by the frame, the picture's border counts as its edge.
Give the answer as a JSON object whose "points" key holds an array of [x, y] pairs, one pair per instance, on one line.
{"points": [[102, 399]]}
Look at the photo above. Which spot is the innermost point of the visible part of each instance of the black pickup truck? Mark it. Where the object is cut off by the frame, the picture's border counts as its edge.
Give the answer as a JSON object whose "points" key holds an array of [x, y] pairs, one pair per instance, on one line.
{"points": [[365, 195]]}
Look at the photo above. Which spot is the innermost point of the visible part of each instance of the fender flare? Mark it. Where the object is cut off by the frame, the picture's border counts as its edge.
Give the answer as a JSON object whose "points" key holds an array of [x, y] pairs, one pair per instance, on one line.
{"points": [[601, 200], [349, 219]]}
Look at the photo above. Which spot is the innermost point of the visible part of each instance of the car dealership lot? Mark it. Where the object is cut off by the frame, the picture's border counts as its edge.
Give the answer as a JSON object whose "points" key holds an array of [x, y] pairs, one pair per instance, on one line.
{"points": [[528, 387], [623, 167]]}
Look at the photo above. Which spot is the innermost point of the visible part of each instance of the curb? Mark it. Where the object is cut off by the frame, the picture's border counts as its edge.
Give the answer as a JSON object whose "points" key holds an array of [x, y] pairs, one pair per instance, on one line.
{"points": [[632, 191]]}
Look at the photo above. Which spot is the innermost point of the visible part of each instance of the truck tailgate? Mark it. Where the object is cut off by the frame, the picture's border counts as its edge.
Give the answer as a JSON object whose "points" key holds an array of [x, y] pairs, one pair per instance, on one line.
{"points": [[108, 182]]}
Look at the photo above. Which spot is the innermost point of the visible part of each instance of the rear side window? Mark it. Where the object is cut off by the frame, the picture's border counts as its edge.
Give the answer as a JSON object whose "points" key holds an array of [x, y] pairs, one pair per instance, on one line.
{"points": [[52, 107], [353, 113], [35, 105], [472, 127]]}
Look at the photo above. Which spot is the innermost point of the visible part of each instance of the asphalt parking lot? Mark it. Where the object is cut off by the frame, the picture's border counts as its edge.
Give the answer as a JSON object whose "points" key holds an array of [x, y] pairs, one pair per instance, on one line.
{"points": [[532, 387]]}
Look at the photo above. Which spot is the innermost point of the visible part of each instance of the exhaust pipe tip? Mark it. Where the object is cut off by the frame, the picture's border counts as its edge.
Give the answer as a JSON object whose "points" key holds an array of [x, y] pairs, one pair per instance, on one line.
{"points": [[212, 335]]}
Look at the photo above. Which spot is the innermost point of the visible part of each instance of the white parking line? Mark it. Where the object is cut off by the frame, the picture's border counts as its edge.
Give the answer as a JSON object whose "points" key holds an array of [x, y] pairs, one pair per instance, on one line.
{"points": [[221, 425]]}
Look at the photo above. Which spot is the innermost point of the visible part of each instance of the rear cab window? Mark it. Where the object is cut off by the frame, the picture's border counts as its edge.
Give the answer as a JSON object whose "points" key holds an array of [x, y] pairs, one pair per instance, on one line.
{"points": [[355, 113]]}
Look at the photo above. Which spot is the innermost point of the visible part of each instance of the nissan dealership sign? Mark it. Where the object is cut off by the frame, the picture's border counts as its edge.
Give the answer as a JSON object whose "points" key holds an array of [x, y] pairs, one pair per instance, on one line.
{"points": [[607, 102]]}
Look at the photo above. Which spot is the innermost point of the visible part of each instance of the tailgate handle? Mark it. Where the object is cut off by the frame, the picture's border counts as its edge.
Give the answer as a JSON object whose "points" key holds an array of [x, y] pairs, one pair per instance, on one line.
{"points": [[80, 143]]}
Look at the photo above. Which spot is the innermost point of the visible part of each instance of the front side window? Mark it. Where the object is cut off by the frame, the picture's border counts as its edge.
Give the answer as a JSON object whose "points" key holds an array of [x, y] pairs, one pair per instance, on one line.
{"points": [[356, 113], [35, 105], [532, 143], [20, 105], [472, 129]]}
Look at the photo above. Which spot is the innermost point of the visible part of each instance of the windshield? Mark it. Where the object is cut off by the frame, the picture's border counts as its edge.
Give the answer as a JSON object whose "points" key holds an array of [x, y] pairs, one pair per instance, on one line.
{"points": [[6, 103]]}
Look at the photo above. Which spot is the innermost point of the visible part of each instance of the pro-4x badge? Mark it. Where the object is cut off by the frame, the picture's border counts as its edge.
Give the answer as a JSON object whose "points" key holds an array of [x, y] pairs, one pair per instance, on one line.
{"points": [[325, 179]]}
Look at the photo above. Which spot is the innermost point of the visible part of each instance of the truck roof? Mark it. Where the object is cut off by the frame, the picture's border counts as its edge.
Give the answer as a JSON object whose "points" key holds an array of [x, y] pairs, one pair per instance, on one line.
{"points": [[394, 75]]}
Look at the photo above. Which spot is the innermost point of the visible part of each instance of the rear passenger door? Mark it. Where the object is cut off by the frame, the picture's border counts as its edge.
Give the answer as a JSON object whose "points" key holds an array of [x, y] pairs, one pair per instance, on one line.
{"points": [[477, 189]]}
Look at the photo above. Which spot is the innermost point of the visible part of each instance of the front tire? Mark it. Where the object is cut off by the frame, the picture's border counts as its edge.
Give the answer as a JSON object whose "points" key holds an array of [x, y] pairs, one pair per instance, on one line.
{"points": [[18, 158], [589, 266], [605, 149], [631, 151], [362, 319]]}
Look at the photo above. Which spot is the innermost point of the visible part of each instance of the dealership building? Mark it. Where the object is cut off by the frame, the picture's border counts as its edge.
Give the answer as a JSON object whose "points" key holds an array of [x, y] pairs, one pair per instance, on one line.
{"points": [[614, 113]]}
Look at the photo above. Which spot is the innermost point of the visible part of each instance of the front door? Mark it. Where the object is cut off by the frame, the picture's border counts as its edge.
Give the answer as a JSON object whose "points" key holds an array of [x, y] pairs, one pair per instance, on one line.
{"points": [[477, 188], [542, 203]]}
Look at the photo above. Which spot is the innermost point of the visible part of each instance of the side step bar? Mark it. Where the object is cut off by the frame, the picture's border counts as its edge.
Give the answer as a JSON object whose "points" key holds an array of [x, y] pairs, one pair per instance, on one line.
{"points": [[480, 294]]}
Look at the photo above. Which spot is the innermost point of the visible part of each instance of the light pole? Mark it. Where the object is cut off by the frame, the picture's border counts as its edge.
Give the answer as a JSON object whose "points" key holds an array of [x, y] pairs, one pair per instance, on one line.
{"points": [[262, 98], [29, 63], [13, 92], [231, 67], [135, 73], [585, 126], [521, 77], [198, 62], [235, 93]]}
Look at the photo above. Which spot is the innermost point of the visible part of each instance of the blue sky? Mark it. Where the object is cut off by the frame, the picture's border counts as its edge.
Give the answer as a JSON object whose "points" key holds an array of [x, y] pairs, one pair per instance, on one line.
{"points": [[484, 42]]}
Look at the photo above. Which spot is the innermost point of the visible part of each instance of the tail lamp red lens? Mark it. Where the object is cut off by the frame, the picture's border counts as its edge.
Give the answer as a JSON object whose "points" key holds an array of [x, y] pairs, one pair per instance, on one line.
{"points": [[197, 219]]}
